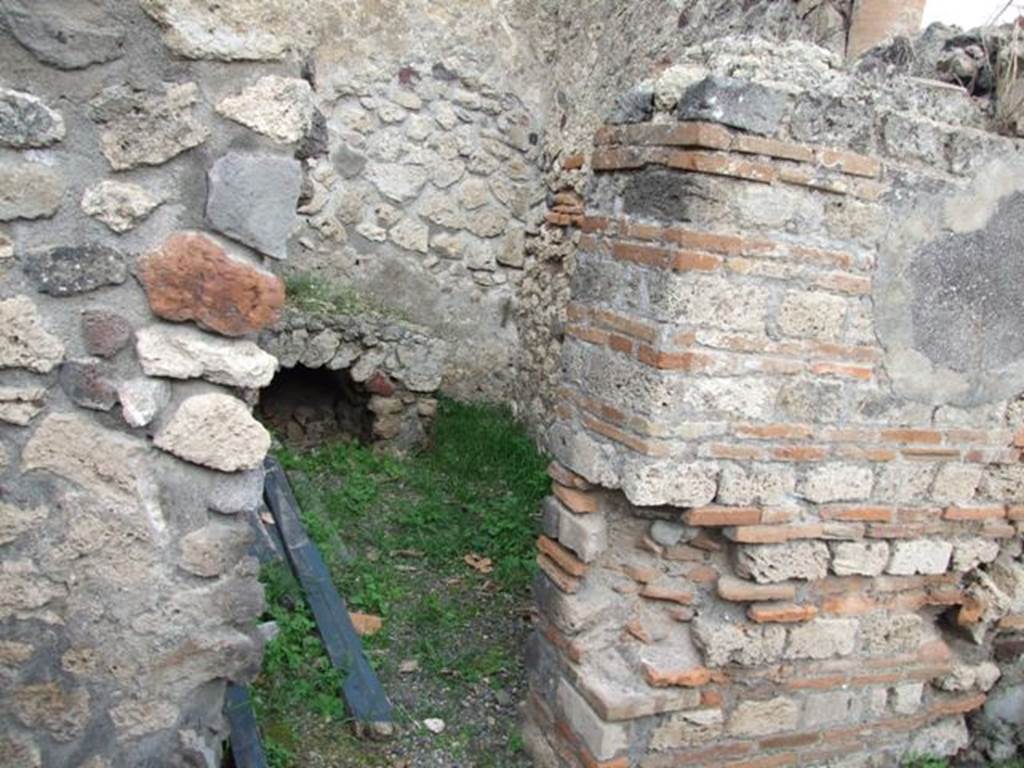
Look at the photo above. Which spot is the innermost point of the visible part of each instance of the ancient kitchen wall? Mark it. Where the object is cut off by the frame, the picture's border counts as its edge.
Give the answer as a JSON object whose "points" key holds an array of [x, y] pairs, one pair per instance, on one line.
{"points": [[785, 526]]}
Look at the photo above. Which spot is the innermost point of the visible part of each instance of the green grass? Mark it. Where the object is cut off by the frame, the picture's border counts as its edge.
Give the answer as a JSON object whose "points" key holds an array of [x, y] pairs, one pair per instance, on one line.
{"points": [[316, 295], [394, 533]]}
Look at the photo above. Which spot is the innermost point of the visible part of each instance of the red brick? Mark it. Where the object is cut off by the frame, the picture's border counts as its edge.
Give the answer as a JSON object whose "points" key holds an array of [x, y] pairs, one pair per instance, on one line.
{"points": [[637, 444], [738, 590], [737, 452], [1015, 513], [845, 283], [593, 224], [919, 436], [815, 683], [847, 605], [792, 740], [722, 516], [620, 343], [860, 453], [1013, 622], [572, 162], [587, 334], [642, 254], [693, 677], [974, 513], [842, 371], [560, 578], [756, 145], [773, 431], [773, 534], [578, 501], [853, 513], [567, 477], [616, 159], [693, 261], [667, 594], [565, 559], [849, 162], [715, 165], [625, 325], [957, 706], [800, 452], [929, 454], [781, 613]]}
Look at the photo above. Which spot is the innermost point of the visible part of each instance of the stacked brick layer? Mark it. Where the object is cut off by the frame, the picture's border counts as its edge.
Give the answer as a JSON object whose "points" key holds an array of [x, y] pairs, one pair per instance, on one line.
{"points": [[756, 552]]}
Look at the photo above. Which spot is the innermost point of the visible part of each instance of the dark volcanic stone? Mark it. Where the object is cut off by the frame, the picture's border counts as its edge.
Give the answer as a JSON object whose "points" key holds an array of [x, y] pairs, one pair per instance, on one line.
{"points": [[105, 333], [736, 103], [69, 270], [26, 121], [634, 106], [86, 383]]}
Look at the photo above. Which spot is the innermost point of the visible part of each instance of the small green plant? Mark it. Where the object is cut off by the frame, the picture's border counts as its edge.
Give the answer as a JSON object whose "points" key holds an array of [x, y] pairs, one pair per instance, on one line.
{"points": [[316, 295], [440, 544]]}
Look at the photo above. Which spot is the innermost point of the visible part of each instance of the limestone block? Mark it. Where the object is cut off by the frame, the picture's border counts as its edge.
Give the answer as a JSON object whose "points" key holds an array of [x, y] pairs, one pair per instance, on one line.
{"points": [[252, 198], [924, 556], [721, 303], [411, 234], [906, 698], [237, 31], [771, 563], [957, 483], [602, 739], [16, 521], [650, 483], [586, 535], [25, 588], [970, 553], [19, 750], [62, 712], [216, 431], [733, 102], [831, 708], [836, 482], [859, 558], [142, 399], [822, 639], [24, 342], [182, 352], [119, 204], [193, 278], [489, 221], [278, 107], [397, 181], [65, 35], [214, 549], [25, 121], [967, 677], [134, 718], [236, 493], [813, 315], [687, 729], [763, 718], [19, 405], [28, 190], [891, 635], [147, 128], [1004, 483], [904, 483], [942, 739], [757, 484], [101, 461], [748, 645]]}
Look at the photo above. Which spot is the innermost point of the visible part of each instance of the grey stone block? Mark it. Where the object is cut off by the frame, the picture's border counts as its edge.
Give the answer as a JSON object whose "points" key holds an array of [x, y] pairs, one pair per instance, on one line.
{"points": [[736, 103], [67, 271], [252, 198], [67, 35]]}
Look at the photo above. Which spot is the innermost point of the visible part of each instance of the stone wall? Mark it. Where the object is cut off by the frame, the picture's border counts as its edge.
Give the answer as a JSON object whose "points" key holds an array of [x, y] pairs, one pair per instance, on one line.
{"points": [[785, 524]]}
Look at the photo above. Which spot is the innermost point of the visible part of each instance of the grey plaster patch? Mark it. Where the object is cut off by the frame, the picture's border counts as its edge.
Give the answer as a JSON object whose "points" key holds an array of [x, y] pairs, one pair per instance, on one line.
{"points": [[253, 199], [634, 106], [736, 103], [947, 305]]}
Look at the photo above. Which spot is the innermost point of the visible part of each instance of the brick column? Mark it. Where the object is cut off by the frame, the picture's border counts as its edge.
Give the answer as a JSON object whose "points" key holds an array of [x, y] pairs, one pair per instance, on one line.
{"points": [[875, 21]]}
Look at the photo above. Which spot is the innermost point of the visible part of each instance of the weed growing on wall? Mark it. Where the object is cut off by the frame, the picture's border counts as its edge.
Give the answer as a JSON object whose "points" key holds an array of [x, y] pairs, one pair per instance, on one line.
{"points": [[440, 545]]}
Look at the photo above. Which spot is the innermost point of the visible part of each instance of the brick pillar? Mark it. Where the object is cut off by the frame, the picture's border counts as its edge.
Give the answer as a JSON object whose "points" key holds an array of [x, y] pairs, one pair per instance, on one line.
{"points": [[875, 21]]}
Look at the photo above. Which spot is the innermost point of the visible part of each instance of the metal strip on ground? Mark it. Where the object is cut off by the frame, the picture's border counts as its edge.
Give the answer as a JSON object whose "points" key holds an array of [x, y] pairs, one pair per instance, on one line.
{"points": [[246, 749], [364, 695]]}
